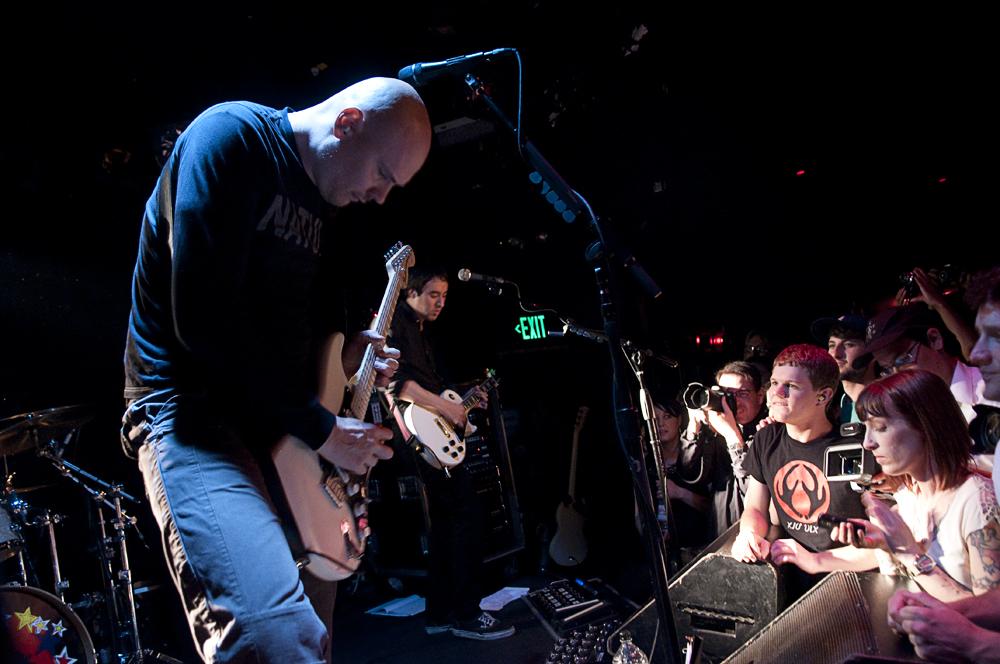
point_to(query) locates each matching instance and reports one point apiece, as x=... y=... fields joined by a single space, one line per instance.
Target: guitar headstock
x=398 y=259
x=491 y=380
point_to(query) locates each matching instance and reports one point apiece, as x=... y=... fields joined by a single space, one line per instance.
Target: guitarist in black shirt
x=456 y=537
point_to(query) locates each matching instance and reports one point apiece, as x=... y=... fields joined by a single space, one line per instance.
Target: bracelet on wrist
x=921 y=565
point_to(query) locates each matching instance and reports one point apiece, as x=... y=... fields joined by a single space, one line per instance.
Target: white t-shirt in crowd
x=971 y=506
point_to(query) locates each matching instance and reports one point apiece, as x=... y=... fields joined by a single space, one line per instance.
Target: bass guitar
x=329 y=505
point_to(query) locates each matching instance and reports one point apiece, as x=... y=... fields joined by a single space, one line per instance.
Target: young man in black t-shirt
x=785 y=464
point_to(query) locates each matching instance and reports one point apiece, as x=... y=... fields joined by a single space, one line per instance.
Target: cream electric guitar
x=329 y=505
x=569 y=547
x=440 y=445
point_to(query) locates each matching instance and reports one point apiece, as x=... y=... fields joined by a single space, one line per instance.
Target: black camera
x=947 y=277
x=850 y=462
x=985 y=429
x=698 y=396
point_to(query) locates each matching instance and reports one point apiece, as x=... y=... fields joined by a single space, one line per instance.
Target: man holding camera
x=786 y=469
x=914 y=337
x=718 y=435
x=928 y=286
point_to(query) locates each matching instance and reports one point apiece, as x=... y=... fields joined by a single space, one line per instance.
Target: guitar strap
x=397 y=413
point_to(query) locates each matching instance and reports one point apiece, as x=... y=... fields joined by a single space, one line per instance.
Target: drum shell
x=40 y=622
x=10 y=535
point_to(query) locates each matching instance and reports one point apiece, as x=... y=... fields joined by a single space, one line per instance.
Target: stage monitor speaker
x=841 y=619
x=715 y=597
x=725 y=602
x=739 y=611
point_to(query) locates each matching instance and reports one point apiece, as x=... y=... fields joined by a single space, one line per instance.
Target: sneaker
x=438 y=627
x=483 y=628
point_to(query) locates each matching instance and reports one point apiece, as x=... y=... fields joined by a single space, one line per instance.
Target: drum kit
x=39 y=624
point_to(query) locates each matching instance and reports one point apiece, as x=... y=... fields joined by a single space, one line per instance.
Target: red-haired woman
x=945 y=528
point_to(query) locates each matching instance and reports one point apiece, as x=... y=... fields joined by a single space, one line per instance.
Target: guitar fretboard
x=366 y=374
x=473 y=399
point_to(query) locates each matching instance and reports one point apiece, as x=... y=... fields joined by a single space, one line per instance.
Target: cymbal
x=25 y=431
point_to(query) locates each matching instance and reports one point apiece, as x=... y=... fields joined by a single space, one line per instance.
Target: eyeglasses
x=902 y=361
x=741 y=394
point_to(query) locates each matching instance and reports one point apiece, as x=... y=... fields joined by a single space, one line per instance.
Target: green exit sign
x=531 y=327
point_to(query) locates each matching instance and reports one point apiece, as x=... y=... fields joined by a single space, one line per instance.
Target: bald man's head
x=364 y=140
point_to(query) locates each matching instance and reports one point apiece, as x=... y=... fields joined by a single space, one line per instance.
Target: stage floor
x=361 y=638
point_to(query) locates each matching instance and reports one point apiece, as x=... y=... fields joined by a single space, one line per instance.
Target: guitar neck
x=581 y=416
x=473 y=399
x=366 y=374
x=571 y=491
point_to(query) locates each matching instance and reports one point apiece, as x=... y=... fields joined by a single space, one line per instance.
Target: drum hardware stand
x=20 y=508
x=125 y=627
x=48 y=521
x=22 y=570
x=60 y=584
x=123 y=579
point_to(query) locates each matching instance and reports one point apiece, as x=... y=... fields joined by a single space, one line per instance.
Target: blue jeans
x=225 y=547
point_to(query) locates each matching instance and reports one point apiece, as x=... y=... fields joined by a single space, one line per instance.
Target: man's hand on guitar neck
x=354 y=351
x=484 y=396
x=356 y=446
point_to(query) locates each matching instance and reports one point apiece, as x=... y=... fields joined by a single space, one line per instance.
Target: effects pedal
x=584 y=645
x=564 y=606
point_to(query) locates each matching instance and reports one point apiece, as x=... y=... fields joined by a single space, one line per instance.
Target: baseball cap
x=821 y=327
x=894 y=323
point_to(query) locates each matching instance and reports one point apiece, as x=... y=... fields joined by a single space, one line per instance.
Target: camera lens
x=695 y=396
x=851 y=466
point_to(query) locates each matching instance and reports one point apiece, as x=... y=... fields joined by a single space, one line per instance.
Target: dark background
x=766 y=167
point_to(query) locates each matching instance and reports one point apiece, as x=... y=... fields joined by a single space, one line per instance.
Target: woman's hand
x=847 y=533
x=890 y=533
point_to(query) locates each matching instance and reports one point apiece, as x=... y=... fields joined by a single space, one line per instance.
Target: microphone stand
x=637 y=358
x=604 y=254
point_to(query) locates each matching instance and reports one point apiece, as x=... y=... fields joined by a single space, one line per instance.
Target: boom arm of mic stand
x=560 y=192
x=545 y=172
x=625 y=422
x=572 y=329
x=567 y=202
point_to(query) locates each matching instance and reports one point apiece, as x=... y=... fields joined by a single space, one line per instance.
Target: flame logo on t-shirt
x=802 y=491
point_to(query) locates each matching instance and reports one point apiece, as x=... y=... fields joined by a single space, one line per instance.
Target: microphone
x=467 y=275
x=649 y=354
x=423 y=72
